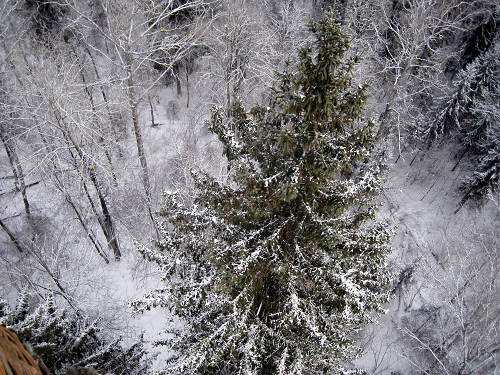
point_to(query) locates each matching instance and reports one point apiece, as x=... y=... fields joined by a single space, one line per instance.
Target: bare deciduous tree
x=138 y=36
x=408 y=46
x=240 y=55
x=454 y=326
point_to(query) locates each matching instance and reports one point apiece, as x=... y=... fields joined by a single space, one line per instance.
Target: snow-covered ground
x=421 y=196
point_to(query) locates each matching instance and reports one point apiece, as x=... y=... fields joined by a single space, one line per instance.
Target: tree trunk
x=17 y=170
x=152 y=111
x=137 y=132
x=384 y=116
x=91 y=235
x=175 y=71
x=228 y=92
x=11 y=160
x=106 y=224
x=187 y=87
x=11 y=236
x=110 y=229
x=138 y=137
x=94 y=110
x=105 y=221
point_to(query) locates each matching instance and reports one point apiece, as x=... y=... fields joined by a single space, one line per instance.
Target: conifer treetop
x=273 y=272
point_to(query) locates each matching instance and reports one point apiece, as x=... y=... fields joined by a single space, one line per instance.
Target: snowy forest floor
x=430 y=252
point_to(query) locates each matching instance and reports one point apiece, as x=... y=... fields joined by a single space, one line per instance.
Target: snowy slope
x=431 y=251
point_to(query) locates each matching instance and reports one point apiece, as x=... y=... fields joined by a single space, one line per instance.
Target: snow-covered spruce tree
x=479 y=88
x=474 y=111
x=273 y=272
x=63 y=338
x=481 y=128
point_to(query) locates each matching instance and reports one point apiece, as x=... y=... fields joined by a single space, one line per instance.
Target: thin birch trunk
x=138 y=136
x=94 y=110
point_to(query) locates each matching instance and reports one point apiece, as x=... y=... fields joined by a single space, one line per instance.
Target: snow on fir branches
x=65 y=338
x=272 y=273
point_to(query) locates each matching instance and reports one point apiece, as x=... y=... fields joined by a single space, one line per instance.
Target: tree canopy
x=274 y=271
